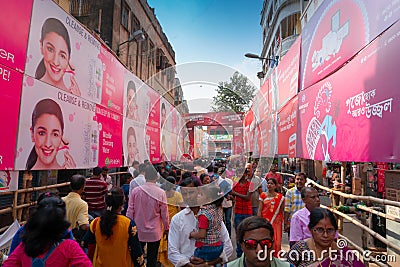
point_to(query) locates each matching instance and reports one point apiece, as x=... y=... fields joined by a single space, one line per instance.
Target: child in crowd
x=208 y=238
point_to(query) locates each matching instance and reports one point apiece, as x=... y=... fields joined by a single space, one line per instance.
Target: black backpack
x=37 y=262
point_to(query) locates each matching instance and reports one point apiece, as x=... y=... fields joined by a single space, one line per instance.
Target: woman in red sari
x=271 y=208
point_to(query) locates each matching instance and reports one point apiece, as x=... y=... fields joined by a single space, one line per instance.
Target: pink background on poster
x=248 y=131
x=382 y=166
x=113 y=81
x=358 y=138
x=288 y=74
x=287 y=127
x=11 y=85
x=110 y=139
x=153 y=126
x=14 y=21
x=365 y=20
x=237 y=139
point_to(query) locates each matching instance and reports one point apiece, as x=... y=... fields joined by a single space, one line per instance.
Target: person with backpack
x=42 y=241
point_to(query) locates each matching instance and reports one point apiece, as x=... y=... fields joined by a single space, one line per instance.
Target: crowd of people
x=162 y=215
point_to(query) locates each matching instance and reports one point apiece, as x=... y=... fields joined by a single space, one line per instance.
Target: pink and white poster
x=14 y=23
x=136 y=99
x=62 y=53
x=57 y=130
x=110 y=137
x=287 y=127
x=135 y=142
x=338 y=30
x=350 y=115
x=11 y=85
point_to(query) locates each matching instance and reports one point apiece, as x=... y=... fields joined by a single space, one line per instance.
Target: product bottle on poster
x=147 y=143
x=94 y=143
x=96 y=79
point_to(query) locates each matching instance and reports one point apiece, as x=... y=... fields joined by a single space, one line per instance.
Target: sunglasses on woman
x=252 y=243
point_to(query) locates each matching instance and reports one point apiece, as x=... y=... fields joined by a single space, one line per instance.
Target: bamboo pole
x=380 y=214
x=373 y=259
x=372 y=233
x=15 y=203
x=365 y=198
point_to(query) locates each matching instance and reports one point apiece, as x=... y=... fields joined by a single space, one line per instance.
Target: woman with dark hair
x=17 y=239
x=133 y=151
x=131 y=105
x=271 y=208
x=43 y=239
x=117 y=243
x=321 y=249
x=47 y=131
x=55 y=47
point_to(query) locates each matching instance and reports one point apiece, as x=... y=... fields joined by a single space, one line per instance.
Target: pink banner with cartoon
x=338 y=30
x=14 y=23
x=11 y=85
x=62 y=53
x=350 y=115
x=288 y=74
x=57 y=130
x=287 y=127
x=110 y=139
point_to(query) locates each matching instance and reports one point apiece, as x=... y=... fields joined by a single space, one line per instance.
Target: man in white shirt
x=180 y=247
x=134 y=167
x=139 y=180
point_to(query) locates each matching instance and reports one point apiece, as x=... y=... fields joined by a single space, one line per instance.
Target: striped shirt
x=95 y=191
x=293 y=201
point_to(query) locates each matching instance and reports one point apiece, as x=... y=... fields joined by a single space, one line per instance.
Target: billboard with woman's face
x=58 y=130
x=62 y=53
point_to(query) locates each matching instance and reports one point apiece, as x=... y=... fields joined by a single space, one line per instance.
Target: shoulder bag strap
x=277 y=210
x=51 y=250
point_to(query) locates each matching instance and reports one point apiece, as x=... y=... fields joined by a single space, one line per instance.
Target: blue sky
x=212 y=31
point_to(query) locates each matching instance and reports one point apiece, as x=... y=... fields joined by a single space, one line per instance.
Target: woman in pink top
x=42 y=239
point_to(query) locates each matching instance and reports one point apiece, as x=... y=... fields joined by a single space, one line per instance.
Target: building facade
x=150 y=57
x=280 y=23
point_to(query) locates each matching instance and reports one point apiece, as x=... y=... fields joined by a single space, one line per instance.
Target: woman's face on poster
x=47 y=136
x=132 y=147
x=131 y=102
x=55 y=56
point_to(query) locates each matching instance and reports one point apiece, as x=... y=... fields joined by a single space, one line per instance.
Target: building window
x=80 y=8
x=125 y=15
x=135 y=24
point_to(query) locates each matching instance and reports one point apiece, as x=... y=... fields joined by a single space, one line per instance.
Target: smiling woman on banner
x=132 y=149
x=55 y=46
x=47 y=131
x=321 y=249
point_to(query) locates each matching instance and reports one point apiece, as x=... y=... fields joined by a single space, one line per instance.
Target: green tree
x=235 y=95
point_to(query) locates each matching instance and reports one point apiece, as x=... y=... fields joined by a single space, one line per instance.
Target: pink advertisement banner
x=113 y=81
x=287 y=127
x=10 y=84
x=57 y=130
x=350 y=115
x=110 y=139
x=14 y=21
x=338 y=30
x=62 y=53
x=288 y=74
